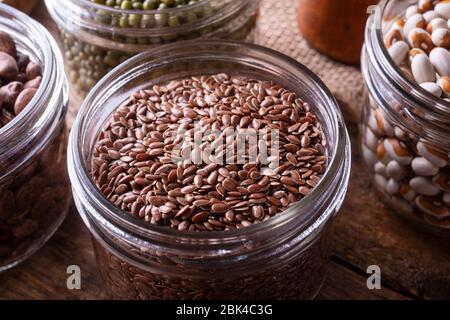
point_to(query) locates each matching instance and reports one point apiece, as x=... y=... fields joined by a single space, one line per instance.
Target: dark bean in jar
x=33 y=202
x=20 y=79
x=34 y=197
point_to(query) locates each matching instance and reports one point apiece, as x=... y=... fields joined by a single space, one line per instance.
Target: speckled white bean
x=430 y=16
x=380 y=181
x=379 y=125
x=440 y=60
x=369 y=156
x=380 y=168
x=415 y=21
x=420 y=38
x=423 y=167
x=371 y=139
x=407 y=192
x=398 y=25
x=432 y=155
x=396 y=171
x=399 y=133
x=392 y=187
x=422 y=69
x=411 y=10
x=437 y=23
x=414 y=52
x=373 y=125
x=382 y=154
x=424 y=186
x=443 y=9
x=424 y=5
x=432 y=206
x=441 y=38
x=388 y=128
x=444 y=84
x=398 y=52
x=432 y=88
x=442 y=181
x=398 y=151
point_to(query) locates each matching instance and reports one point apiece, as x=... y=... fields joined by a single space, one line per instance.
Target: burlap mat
x=277 y=29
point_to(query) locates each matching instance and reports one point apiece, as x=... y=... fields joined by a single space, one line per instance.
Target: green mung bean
x=88 y=63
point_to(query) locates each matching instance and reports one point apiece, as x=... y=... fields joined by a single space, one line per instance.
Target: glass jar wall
x=34 y=187
x=405 y=136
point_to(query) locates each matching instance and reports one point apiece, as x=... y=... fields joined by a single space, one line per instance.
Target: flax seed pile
x=133 y=162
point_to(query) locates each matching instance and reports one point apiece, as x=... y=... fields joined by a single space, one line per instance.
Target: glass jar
x=97 y=38
x=283 y=257
x=34 y=187
x=405 y=132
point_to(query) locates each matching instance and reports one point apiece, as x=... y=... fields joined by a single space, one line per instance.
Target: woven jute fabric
x=277 y=28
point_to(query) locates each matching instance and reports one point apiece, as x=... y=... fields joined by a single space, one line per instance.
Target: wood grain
x=345 y=284
x=414 y=264
x=44 y=275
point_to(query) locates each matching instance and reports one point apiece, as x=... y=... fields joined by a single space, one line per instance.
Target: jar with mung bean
x=210 y=169
x=100 y=34
x=34 y=188
x=405 y=136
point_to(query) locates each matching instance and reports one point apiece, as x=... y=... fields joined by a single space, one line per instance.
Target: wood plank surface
x=413 y=264
x=44 y=275
x=412 y=261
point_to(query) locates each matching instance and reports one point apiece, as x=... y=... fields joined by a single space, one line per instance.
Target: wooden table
x=413 y=264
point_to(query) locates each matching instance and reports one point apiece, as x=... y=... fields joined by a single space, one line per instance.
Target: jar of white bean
x=405 y=132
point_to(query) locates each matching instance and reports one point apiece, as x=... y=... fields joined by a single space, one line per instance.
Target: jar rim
x=339 y=158
x=41 y=110
x=181 y=9
x=85 y=7
x=379 y=54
